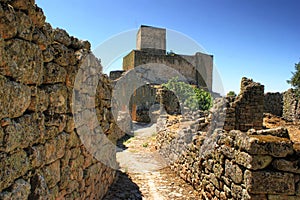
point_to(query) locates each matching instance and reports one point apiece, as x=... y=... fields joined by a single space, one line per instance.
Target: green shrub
x=191 y=97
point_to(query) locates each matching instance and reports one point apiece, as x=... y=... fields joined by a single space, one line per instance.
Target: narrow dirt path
x=144 y=174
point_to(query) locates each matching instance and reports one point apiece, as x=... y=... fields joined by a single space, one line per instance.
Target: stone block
x=281 y=197
x=56 y=120
x=278 y=132
x=24 y=131
x=213 y=179
x=13 y=167
x=65 y=177
x=75 y=153
x=51 y=173
x=286 y=165
x=8 y=23
x=88 y=158
x=48 y=54
x=73 y=140
x=70 y=124
x=15 y=98
x=25 y=26
x=92 y=172
x=54 y=73
x=51 y=132
x=72 y=186
x=264 y=145
x=37 y=16
x=236 y=191
x=22 y=5
x=253 y=162
x=227 y=151
x=62 y=36
x=55 y=148
x=218 y=170
x=39 y=100
x=37 y=157
x=268 y=182
x=20 y=190
x=233 y=171
x=76 y=168
x=227 y=191
x=259 y=197
x=22 y=61
x=54 y=192
x=63 y=56
x=57 y=98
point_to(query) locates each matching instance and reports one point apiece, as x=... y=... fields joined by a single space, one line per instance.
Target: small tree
x=295 y=79
x=193 y=98
x=231 y=94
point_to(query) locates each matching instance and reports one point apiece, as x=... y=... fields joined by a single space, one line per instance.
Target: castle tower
x=151 y=40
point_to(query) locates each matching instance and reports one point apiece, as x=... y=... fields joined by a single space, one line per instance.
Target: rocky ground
x=144 y=174
x=272 y=121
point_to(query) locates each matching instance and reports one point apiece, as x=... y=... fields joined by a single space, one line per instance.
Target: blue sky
x=259 y=39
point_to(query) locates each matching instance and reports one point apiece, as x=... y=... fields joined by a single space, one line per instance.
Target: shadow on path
x=130 y=190
x=121 y=141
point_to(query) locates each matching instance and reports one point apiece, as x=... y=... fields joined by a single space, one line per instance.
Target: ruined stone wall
x=254 y=164
x=232 y=165
x=114 y=75
x=291 y=106
x=42 y=156
x=169 y=101
x=141 y=101
x=246 y=110
x=273 y=103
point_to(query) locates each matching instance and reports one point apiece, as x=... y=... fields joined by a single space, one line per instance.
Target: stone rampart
x=42 y=156
x=291 y=106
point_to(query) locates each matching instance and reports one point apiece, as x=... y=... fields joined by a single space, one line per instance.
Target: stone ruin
x=220 y=162
x=151 y=58
x=285 y=105
x=42 y=155
x=246 y=110
x=291 y=106
x=273 y=103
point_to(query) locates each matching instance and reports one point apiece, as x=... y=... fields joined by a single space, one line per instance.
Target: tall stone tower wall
x=203 y=63
x=151 y=39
